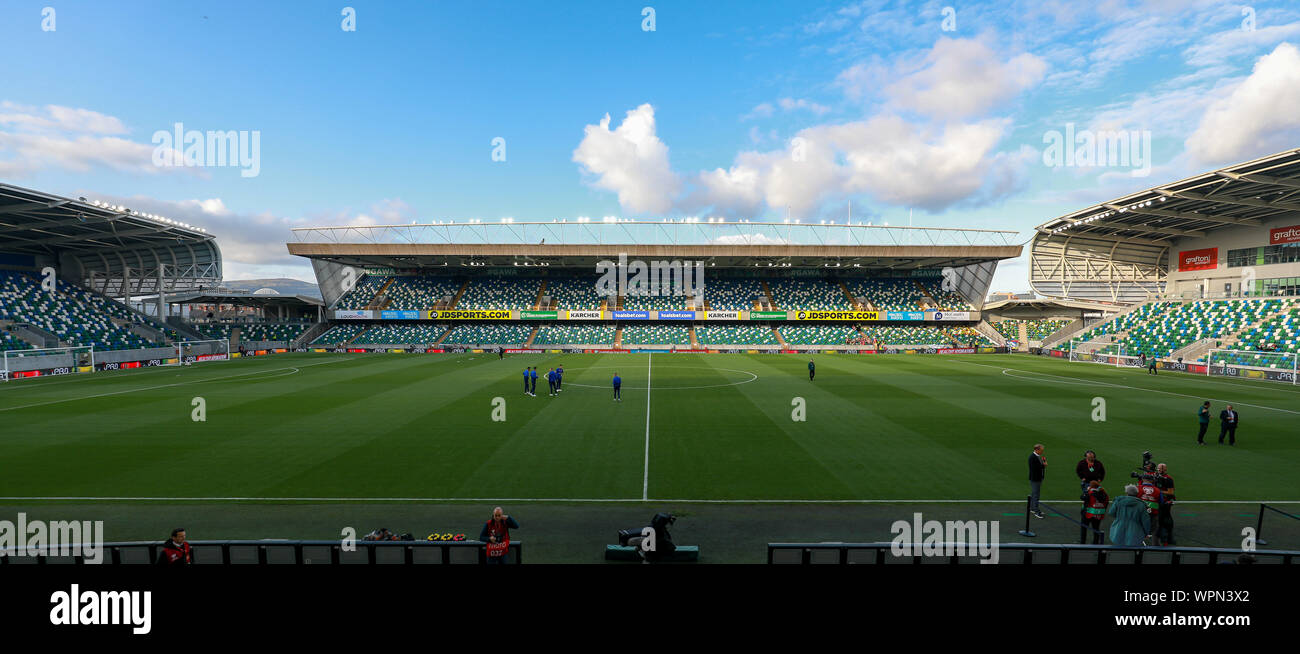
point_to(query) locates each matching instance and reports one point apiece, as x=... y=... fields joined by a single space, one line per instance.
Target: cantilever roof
x=1245 y=194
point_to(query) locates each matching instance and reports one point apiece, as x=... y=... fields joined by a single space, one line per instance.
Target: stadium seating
x=906 y=335
x=576 y=293
x=1124 y=322
x=656 y=335
x=490 y=333
x=1181 y=323
x=340 y=333
x=10 y=342
x=817 y=334
x=808 y=294
x=1278 y=334
x=654 y=302
x=949 y=300
x=575 y=333
x=500 y=293
x=888 y=294
x=407 y=292
x=732 y=294
x=964 y=336
x=401 y=334
x=254 y=331
x=361 y=294
x=741 y=334
x=74 y=315
x=1037 y=329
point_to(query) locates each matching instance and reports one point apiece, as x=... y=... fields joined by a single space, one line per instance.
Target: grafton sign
x=1206 y=259
x=1284 y=234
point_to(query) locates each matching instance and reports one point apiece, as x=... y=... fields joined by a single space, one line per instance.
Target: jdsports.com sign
x=470 y=315
x=837 y=315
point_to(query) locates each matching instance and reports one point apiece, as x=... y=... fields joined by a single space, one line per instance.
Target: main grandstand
x=766 y=286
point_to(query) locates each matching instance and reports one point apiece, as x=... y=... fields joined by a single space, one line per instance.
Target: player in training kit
x=532 y=382
x=526 y=371
x=618 y=388
x=559 y=379
x=812 y=370
x=550 y=381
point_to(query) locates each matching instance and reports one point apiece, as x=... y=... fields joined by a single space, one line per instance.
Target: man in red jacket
x=176 y=551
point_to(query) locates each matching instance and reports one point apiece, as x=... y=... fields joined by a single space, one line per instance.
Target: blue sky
x=746 y=109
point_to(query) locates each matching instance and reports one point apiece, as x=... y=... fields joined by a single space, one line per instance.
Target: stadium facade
x=1230 y=232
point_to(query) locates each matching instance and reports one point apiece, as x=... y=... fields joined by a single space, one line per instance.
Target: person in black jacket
x=1203 y=420
x=1037 y=470
x=1089 y=469
x=1228 y=420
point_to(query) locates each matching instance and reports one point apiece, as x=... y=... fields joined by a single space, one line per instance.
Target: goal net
x=45 y=361
x=188 y=352
x=1275 y=366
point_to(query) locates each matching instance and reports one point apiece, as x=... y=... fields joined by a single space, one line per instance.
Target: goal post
x=1275 y=366
x=188 y=352
x=45 y=361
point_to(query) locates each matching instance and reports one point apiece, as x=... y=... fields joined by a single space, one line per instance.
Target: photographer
x=496 y=535
x=1165 y=528
x=1095 y=501
x=1149 y=494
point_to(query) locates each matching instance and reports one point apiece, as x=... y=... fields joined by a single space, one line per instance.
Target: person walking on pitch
x=618 y=388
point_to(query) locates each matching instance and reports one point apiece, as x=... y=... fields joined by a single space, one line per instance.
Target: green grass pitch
x=718 y=427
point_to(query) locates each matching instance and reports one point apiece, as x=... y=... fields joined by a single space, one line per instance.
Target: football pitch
x=693 y=433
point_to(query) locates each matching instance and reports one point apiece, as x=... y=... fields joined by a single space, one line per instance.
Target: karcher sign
x=837 y=315
x=585 y=315
x=473 y=314
x=722 y=315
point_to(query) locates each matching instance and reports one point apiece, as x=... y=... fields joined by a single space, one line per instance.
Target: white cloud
x=1259 y=116
x=960 y=78
x=33 y=139
x=253 y=244
x=631 y=161
x=792 y=104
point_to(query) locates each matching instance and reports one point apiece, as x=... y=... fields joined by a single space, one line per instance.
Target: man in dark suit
x=1228 y=420
x=1037 y=470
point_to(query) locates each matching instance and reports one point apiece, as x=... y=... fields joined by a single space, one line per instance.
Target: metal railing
x=881 y=553
x=282 y=552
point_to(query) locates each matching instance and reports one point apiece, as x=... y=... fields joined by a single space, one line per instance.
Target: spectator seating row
x=340 y=333
x=656 y=335
x=1279 y=333
x=490 y=333
x=1183 y=323
x=401 y=334
x=575 y=333
x=500 y=293
x=362 y=293
x=10 y=342
x=74 y=315
x=817 y=334
x=407 y=292
x=741 y=334
x=888 y=294
x=732 y=294
x=573 y=293
x=808 y=294
x=254 y=331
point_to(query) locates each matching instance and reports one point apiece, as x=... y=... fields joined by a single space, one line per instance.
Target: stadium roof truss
x=112 y=249
x=1118 y=250
x=654 y=232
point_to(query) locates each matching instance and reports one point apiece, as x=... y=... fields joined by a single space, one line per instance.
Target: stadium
x=783 y=384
